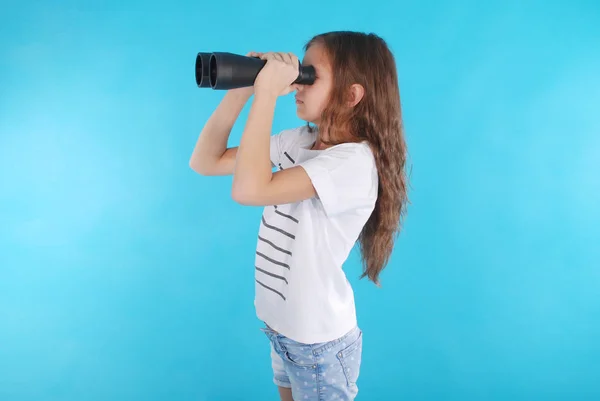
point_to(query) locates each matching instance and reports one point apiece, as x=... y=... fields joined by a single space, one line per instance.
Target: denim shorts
x=317 y=372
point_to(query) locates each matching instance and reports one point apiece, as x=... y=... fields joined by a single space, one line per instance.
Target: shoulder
x=355 y=153
x=351 y=162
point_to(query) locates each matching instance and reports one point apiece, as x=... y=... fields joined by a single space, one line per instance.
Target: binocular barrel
x=219 y=70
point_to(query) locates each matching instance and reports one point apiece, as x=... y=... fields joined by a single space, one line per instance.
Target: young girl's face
x=312 y=99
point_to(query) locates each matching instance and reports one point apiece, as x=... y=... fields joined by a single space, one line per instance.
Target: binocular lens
x=202 y=70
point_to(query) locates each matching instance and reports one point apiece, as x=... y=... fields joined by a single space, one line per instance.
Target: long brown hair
x=365 y=59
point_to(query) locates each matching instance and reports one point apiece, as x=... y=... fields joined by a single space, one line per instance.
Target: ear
x=357 y=92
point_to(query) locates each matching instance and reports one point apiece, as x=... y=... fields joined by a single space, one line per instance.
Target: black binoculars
x=229 y=71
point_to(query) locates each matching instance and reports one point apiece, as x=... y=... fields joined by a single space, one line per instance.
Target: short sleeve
x=344 y=177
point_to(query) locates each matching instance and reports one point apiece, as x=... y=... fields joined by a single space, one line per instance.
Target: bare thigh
x=285 y=394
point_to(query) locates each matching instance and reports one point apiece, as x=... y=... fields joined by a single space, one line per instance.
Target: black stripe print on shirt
x=292 y=236
x=295 y=220
x=271 y=274
x=289 y=157
x=269 y=288
x=273 y=260
x=274 y=246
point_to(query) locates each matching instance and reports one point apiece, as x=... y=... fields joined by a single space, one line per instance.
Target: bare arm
x=211 y=155
x=253 y=181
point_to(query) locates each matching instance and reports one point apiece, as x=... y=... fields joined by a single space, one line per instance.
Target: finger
x=292 y=88
x=284 y=57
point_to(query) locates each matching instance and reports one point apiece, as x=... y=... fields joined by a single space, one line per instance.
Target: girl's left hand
x=277 y=76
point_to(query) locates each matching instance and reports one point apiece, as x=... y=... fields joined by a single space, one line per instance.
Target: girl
x=338 y=181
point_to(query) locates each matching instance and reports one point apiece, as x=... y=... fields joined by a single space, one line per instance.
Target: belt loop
x=278 y=345
x=273 y=337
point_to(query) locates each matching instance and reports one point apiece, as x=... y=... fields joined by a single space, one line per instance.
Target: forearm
x=212 y=141
x=253 y=163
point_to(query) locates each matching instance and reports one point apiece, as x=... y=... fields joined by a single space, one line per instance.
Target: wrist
x=265 y=97
x=240 y=94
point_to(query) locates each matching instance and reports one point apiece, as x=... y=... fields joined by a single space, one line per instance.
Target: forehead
x=317 y=57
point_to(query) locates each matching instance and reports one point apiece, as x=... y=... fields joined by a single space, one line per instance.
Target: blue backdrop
x=125 y=276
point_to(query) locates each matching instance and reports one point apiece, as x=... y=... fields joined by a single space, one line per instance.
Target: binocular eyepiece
x=229 y=71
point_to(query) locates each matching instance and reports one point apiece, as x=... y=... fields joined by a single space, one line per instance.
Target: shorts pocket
x=299 y=356
x=350 y=359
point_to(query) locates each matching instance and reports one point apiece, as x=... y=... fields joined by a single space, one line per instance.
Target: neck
x=318 y=145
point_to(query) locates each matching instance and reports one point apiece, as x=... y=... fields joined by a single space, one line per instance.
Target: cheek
x=317 y=96
x=320 y=100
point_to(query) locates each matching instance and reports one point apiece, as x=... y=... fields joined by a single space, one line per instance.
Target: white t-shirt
x=301 y=290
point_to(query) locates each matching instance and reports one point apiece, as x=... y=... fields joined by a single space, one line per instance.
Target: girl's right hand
x=248 y=90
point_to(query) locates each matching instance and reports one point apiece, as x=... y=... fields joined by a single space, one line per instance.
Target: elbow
x=239 y=196
x=243 y=196
x=198 y=168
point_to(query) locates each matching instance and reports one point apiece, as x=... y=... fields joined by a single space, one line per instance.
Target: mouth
x=299 y=101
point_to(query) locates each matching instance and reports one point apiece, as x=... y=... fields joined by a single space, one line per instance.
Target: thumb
x=291 y=88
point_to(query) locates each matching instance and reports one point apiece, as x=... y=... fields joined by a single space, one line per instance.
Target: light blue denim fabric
x=317 y=372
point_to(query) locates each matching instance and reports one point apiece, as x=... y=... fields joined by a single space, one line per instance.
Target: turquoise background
x=125 y=276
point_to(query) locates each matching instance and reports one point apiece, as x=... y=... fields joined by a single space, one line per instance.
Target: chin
x=303 y=116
